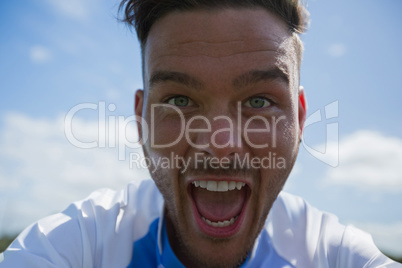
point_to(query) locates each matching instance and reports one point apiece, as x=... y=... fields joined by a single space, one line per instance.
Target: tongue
x=219 y=206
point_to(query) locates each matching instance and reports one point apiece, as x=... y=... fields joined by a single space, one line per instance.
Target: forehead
x=218 y=36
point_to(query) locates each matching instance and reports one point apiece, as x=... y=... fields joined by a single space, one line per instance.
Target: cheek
x=270 y=134
x=164 y=132
x=286 y=133
x=278 y=156
x=166 y=177
x=164 y=143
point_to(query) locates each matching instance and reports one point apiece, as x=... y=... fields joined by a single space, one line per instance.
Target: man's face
x=228 y=82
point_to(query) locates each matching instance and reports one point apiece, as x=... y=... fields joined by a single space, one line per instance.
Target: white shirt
x=102 y=231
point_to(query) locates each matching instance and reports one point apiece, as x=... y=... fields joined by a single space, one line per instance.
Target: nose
x=221 y=137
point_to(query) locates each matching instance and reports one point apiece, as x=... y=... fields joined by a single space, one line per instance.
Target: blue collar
x=154 y=250
x=168 y=258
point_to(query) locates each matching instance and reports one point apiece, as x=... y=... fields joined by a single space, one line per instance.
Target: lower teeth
x=220 y=223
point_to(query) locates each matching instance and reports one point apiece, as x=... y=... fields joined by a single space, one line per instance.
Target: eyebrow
x=246 y=79
x=255 y=76
x=181 y=78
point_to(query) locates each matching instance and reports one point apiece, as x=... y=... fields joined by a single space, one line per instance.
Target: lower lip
x=219 y=232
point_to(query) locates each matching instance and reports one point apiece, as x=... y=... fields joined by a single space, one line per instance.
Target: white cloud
x=40 y=54
x=387 y=237
x=75 y=9
x=41 y=172
x=337 y=50
x=370 y=160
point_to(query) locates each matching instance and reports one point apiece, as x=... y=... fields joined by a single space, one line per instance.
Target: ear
x=302 y=110
x=139 y=98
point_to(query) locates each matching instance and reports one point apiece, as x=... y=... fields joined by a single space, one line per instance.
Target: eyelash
x=168 y=99
x=269 y=101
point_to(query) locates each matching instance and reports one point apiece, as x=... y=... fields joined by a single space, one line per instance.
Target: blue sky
x=55 y=55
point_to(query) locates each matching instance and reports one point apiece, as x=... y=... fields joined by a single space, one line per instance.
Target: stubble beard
x=181 y=237
x=183 y=240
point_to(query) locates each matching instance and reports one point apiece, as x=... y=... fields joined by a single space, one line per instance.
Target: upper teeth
x=219 y=186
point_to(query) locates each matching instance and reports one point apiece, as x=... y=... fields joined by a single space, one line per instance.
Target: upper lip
x=218 y=178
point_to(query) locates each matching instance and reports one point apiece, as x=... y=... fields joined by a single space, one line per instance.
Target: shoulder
x=138 y=204
x=308 y=237
x=298 y=231
x=139 y=199
x=95 y=232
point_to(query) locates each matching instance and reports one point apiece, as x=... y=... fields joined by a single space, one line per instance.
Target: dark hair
x=142 y=14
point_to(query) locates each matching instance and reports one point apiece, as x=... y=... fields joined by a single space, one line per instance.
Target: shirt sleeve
x=358 y=250
x=56 y=241
x=95 y=232
x=308 y=237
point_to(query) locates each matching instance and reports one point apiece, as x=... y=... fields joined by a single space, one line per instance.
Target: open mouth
x=219 y=206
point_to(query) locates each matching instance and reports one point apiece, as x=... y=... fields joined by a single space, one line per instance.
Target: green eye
x=180 y=101
x=257 y=102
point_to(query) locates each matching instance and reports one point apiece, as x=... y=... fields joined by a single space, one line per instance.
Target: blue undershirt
x=146 y=251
